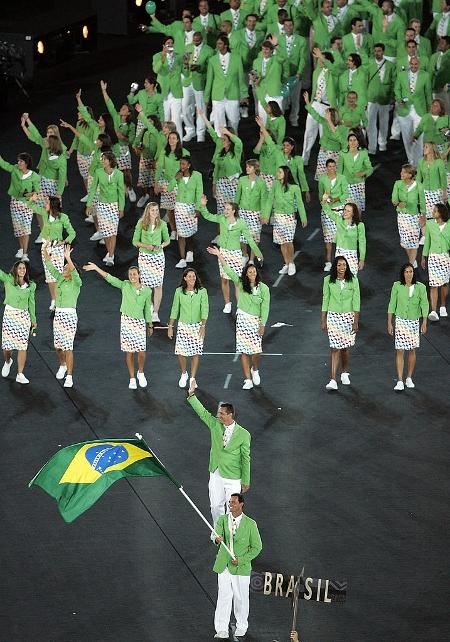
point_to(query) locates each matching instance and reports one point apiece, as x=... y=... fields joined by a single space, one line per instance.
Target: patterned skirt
x=139 y=126
x=185 y=219
x=409 y=230
x=21 y=217
x=357 y=194
x=15 y=329
x=132 y=334
x=329 y=227
x=407 y=335
x=56 y=257
x=124 y=159
x=253 y=220
x=146 y=176
x=108 y=219
x=48 y=186
x=284 y=228
x=248 y=340
x=322 y=158
x=188 y=342
x=95 y=201
x=226 y=188
x=339 y=325
x=167 y=199
x=233 y=259
x=269 y=180
x=151 y=268
x=352 y=258
x=438 y=270
x=64 y=328
x=84 y=162
x=432 y=196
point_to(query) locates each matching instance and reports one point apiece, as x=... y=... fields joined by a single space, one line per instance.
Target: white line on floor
x=236 y=357
x=227 y=381
x=311 y=236
x=277 y=282
x=265 y=354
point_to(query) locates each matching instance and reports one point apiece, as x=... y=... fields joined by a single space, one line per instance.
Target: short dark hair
x=356 y=59
x=443 y=211
x=329 y=161
x=228 y=407
x=355 y=20
x=381 y=45
x=328 y=56
x=240 y=497
x=26 y=158
x=402 y=273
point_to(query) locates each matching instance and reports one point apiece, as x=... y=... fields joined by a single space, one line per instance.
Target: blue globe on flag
x=150 y=7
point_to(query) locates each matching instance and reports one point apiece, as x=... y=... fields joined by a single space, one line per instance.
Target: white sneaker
x=248 y=383
x=61 y=372
x=142 y=380
x=68 y=383
x=96 y=236
x=109 y=260
x=382 y=148
x=283 y=270
x=221 y=635
x=102 y=242
x=332 y=385
x=255 y=376
x=173 y=236
x=239 y=633
x=19 y=253
x=291 y=269
x=143 y=200
x=443 y=311
x=189 y=257
x=422 y=240
x=327 y=266
x=227 y=308
x=132 y=195
x=188 y=136
x=409 y=383
x=132 y=385
x=89 y=219
x=52 y=305
x=7 y=368
x=39 y=240
x=200 y=139
x=345 y=378
x=183 y=379
x=181 y=263
x=155 y=317
x=25 y=258
x=84 y=199
x=399 y=385
x=21 y=378
x=433 y=316
x=192 y=383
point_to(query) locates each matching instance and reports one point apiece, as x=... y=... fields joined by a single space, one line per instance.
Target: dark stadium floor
x=352 y=485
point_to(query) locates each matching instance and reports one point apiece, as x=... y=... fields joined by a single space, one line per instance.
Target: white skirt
x=409 y=230
x=340 y=333
x=284 y=228
x=407 y=335
x=167 y=199
x=15 y=329
x=432 y=196
x=248 y=340
x=322 y=158
x=83 y=162
x=438 y=270
x=329 y=227
x=226 y=188
x=146 y=178
x=64 y=328
x=108 y=219
x=124 y=159
x=151 y=268
x=185 y=220
x=188 y=342
x=133 y=336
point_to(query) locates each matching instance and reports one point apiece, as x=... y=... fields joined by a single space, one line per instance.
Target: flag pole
x=295 y=600
x=186 y=496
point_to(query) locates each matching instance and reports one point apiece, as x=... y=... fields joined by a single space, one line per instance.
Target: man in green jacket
x=325 y=25
x=357 y=41
x=234 y=14
x=168 y=65
x=387 y=26
x=207 y=23
x=229 y=458
x=180 y=30
x=380 y=92
x=270 y=72
x=195 y=64
x=439 y=69
x=294 y=49
x=240 y=533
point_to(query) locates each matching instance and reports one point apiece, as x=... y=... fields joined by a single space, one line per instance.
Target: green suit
x=421 y=98
x=239 y=44
x=440 y=76
x=365 y=50
x=197 y=77
x=275 y=74
x=209 y=37
x=169 y=79
x=296 y=59
x=230 y=86
x=175 y=30
x=227 y=15
x=329 y=83
x=322 y=35
x=378 y=91
x=246 y=546
x=394 y=35
x=357 y=81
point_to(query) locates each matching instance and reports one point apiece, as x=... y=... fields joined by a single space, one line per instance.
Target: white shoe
x=21 y=378
x=221 y=635
x=399 y=385
x=332 y=385
x=109 y=260
x=181 y=263
x=345 y=378
x=25 y=258
x=183 y=379
x=396 y=137
x=382 y=148
x=189 y=257
x=283 y=270
x=422 y=240
x=102 y=242
x=52 y=305
x=188 y=136
x=248 y=383
x=39 y=240
x=141 y=379
x=239 y=633
x=443 y=311
x=227 y=308
x=68 y=383
x=132 y=195
x=200 y=139
x=192 y=383
x=89 y=219
x=409 y=383
x=255 y=376
x=96 y=236
x=132 y=385
x=173 y=236
x=7 y=368
x=155 y=317
x=19 y=253
x=433 y=316
x=327 y=266
x=61 y=372
x=291 y=269
x=143 y=200
x=84 y=199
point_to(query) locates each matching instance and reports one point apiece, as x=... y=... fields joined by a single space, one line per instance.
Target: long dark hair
x=333 y=272
x=288 y=178
x=291 y=141
x=55 y=206
x=230 y=150
x=109 y=128
x=356 y=214
x=188 y=160
x=246 y=281
x=178 y=152
x=402 y=273
x=13 y=272
x=198 y=284
x=105 y=142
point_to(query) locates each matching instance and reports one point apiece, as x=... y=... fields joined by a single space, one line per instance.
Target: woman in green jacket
x=336 y=186
x=149 y=142
x=409 y=304
x=253 y=306
x=19 y=317
x=340 y=317
x=409 y=201
x=431 y=172
x=431 y=125
x=189 y=189
x=295 y=163
x=268 y=154
x=24 y=184
x=135 y=318
x=148 y=100
x=350 y=234
x=65 y=320
x=82 y=149
x=251 y=195
x=355 y=165
x=167 y=166
x=436 y=250
x=151 y=236
x=232 y=229
x=191 y=308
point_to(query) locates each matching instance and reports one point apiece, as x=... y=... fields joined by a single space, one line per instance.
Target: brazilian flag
x=78 y=475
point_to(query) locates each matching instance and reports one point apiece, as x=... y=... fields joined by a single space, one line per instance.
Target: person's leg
x=183 y=363
x=187 y=107
x=112 y=245
x=240 y=586
x=157 y=296
x=224 y=602
x=171 y=217
x=328 y=252
x=372 y=134
x=232 y=113
x=295 y=102
x=195 y=361
x=21 y=358
x=52 y=290
x=411 y=254
x=129 y=358
x=335 y=359
x=345 y=354
x=406 y=128
x=262 y=113
x=166 y=107
x=219 y=115
x=182 y=246
x=7 y=355
x=383 y=116
x=69 y=361
x=285 y=252
x=444 y=294
x=411 y=363
x=141 y=360
x=61 y=356
x=24 y=242
x=225 y=284
x=200 y=105
x=216 y=496
x=433 y=298
x=290 y=252
x=245 y=361
x=399 y=362
x=255 y=361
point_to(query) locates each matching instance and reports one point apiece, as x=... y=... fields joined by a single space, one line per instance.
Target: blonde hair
x=145 y=219
x=434 y=150
x=410 y=169
x=170 y=125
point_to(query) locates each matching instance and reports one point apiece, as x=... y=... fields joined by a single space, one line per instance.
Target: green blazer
x=276 y=74
x=227 y=15
x=329 y=84
x=413 y=198
x=436 y=241
x=233 y=462
x=169 y=79
x=421 y=98
x=378 y=91
x=246 y=546
x=175 y=30
x=439 y=76
x=322 y=36
x=406 y=307
x=296 y=60
x=432 y=29
x=239 y=44
x=209 y=37
x=402 y=63
x=198 y=77
x=394 y=35
x=358 y=83
x=232 y=86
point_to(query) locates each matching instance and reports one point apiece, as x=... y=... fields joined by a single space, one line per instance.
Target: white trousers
x=220 y=491
x=172 y=111
x=192 y=99
x=293 y=100
x=232 y=592
x=378 y=124
x=414 y=151
x=312 y=128
x=226 y=110
x=262 y=112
